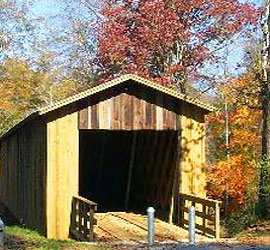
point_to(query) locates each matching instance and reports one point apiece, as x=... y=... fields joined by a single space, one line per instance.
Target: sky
x=51 y=9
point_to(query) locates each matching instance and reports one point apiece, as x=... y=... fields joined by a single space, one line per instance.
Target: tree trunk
x=265 y=121
x=264 y=194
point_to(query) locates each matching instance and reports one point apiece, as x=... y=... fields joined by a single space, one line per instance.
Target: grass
x=260 y=229
x=21 y=238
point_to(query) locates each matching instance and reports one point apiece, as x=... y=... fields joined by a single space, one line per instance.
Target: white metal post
x=191 y=225
x=151 y=226
x=2 y=226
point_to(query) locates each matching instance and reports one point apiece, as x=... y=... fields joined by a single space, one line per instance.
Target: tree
x=78 y=40
x=264 y=193
x=15 y=26
x=23 y=90
x=166 y=40
x=30 y=74
x=239 y=179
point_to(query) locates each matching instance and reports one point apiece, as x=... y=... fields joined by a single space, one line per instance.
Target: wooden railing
x=82 y=219
x=207 y=213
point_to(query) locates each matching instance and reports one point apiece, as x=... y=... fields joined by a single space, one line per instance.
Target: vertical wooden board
x=23 y=199
x=83 y=118
x=192 y=162
x=165 y=119
x=184 y=166
x=122 y=111
x=120 y=115
x=5 y=170
x=101 y=117
x=154 y=116
x=196 y=154
x=13 y=175
x=169 y=120
x=51 y=206
x=62 y=174
x=94 y=117
x=175 y=121
x=132 y=112
x=30 y=178
x=104 y=114
x=137 y=119
x=200 y=175
x=148 y=115
x=89 y=117
x=159 y=118
x=19 y=176
x=37 y=192
x=116 y=113
x=110 y=113
x=2 y=166
x=143 y=115
x=128 y=112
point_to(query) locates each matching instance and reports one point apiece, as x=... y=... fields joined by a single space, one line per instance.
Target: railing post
x=181 y=214
x=191 y=225
x=217 y=220
x=204 y=219
x=91 y=224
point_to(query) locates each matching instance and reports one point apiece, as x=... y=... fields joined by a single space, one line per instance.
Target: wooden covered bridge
x=124 y=145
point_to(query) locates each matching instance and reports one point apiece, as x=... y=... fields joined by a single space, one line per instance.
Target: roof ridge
x=118 y=80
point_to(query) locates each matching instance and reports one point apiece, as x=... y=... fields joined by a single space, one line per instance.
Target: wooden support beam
x=177 y=175
x=131 y=164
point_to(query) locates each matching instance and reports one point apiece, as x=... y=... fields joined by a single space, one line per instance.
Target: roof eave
x=20 y=124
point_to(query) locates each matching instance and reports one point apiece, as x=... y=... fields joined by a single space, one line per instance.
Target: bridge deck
x=130 y=227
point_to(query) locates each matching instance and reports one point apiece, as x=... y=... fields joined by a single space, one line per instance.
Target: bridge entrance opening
x=128 y=170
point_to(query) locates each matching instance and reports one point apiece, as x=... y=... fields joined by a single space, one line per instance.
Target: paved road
x=184 y=246
x=215 y=247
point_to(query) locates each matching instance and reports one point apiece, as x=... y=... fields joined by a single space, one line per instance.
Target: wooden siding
x=39 y=159
x=192 y=163
x=62 y=174
x=190 y=176
x=23 y=180
x=126 y=112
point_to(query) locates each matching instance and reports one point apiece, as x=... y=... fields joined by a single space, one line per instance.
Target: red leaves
x=176 y=68
x=157 y=35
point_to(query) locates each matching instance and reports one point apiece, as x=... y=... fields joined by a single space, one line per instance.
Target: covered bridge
x=125 y=144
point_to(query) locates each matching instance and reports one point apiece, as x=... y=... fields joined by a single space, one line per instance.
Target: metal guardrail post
x=151 y=226
x=2 y=226
x=192 y=225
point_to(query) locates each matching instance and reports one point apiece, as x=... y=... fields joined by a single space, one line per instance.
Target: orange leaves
x=233 y=178
x=23 y=90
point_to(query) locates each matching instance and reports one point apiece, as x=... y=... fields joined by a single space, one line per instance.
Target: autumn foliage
x=236 y=179
x=166 y=40
x=23 y=90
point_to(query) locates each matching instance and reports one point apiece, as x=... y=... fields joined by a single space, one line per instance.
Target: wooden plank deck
x=130 y=227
